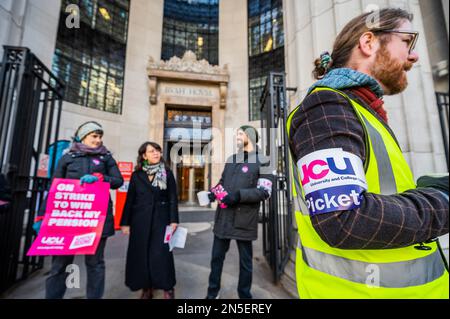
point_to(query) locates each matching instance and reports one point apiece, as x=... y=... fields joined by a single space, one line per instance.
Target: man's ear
x=368 y=44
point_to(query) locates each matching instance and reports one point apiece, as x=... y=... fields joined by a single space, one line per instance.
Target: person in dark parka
x=150 y=207
x=246 y=185
x=89 y=161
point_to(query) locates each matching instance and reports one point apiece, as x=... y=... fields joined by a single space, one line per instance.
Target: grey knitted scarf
x=159 y=170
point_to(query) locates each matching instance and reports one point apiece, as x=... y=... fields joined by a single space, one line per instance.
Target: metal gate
x=277 y=211
x=443 y=108
x=30 y=110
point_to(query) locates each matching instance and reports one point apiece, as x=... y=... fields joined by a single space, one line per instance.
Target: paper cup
x=203 y=198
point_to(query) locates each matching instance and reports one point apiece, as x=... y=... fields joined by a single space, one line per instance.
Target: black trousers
x=219 y=250
x=55 y=285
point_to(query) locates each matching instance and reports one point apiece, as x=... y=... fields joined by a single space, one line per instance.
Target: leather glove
x=88 y=179
x=231 y=198
x=37 y=226
x=212 y=197
x=439 y=182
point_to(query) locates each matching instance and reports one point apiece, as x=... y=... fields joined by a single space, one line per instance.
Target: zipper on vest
x=422 y=246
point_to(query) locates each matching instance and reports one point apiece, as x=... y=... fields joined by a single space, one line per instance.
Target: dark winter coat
x=76 y=165
x=148 y=211
x=240 y=221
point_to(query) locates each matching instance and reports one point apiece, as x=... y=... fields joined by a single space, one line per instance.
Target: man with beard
x=366 y=229
x=239 y=193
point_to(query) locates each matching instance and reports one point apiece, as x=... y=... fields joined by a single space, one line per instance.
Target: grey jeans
x=55 y=285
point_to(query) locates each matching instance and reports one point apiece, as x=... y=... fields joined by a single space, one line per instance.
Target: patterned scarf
x=345 y=78
x=159 y=170
x=81 y=148
x=361 y=84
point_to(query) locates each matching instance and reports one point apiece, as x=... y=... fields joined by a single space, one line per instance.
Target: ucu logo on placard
x=53 y=240
x=319 y=169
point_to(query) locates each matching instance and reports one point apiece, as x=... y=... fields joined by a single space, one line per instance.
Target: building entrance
x=190 y=180
x=187 y=137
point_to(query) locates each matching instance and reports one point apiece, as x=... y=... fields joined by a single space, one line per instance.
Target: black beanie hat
x=251 y=133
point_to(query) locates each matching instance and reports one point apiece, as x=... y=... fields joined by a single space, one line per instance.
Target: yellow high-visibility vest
x=332 y=273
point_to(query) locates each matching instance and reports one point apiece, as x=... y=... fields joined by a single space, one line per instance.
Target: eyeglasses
x=411 y=42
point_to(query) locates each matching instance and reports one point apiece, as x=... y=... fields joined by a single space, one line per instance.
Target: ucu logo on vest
x=332 y=180
x=319 y=169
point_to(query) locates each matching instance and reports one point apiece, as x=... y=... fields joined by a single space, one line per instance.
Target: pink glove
x=220 y=193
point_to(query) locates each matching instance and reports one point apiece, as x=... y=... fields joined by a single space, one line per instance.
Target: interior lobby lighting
x=268 y=45
x=104 y=13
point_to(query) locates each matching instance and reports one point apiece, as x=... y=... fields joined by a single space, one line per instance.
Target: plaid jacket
x=327 y=120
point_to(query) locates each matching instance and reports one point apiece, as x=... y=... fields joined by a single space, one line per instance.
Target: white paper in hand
x=178 y=238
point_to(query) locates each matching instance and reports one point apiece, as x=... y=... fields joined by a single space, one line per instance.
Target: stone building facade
x=309 y=29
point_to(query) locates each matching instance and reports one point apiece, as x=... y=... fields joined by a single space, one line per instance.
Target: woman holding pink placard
x=89 y=161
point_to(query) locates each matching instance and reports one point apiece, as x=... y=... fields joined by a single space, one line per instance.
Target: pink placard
x=74 y=218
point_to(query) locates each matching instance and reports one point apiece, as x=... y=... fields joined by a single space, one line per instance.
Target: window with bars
x=266 y=47
x=191 y=25
x=91 y=59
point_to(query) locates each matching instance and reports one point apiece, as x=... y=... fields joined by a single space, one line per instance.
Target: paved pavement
x=191 y=263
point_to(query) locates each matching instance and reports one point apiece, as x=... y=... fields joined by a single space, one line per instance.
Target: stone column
x=436 y=37
x=233 y=50
x=32 y=24
x=144 y=40
x=12 y=14
x=205 y=178
x=191 y=195
x=445 y=7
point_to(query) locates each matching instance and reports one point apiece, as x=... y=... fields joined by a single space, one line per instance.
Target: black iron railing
x=443 y=108
x=30 y=111
x=277 y=211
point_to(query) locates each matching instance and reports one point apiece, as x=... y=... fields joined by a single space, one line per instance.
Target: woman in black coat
x=89 y=161
x=151 y=206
